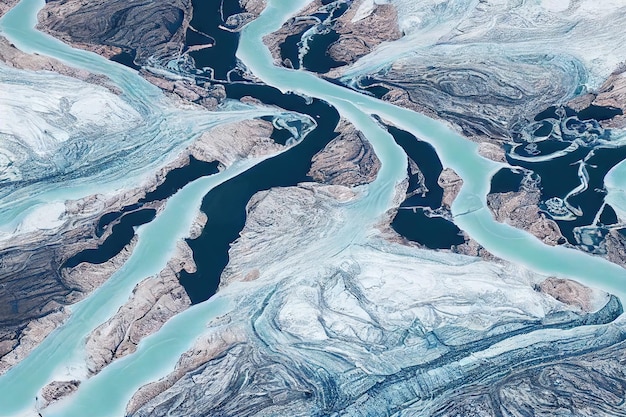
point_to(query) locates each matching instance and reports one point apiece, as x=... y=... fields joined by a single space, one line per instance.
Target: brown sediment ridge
x=95 y=26
x=612 y=93
x=356 y=39
x=14 y=58
x=574 y=294
x=35 y=259
x=153 y=301
x=6 y=5
x=520 y=209
x=348 y=160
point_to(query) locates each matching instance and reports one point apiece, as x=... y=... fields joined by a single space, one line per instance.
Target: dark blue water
x=372 y=86
x=121 y=235
x=132 y=215
x=174 y=181
x=426 y=158
x=544 y=130
x=506 y=180
x=432 y=232
x=225 y=205
x=208 y=16
x=414 y=224
x=608 y=216
x=179 y=177
x=126 y=58
x=599 y=113
x=317 y=58
x=544 y=147
x=551 y=113
x=559 y=176
x=592 y=112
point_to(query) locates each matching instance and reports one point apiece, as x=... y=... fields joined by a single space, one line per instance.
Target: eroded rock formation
x=347 y=160
x=374 y=329
x=520 y=209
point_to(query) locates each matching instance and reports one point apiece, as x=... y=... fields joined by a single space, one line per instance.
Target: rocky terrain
x=520 y=209
x=359 y=29
x=153 y=302
x=347 y=160
x=116 y=29
x=333 y=305
x=109 y=28
x=6 y=5
x=360 y=332
x=36 y=286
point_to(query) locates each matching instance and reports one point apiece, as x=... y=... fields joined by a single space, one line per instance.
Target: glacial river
x=107 y=393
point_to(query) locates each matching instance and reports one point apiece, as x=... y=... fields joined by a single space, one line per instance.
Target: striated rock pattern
x=614 y=245
x=56 y=390
x=14 y=58
x=109 y=28
x=375 y=329
x=347 y=160
x=520 y=209
x=586 y=385
x=359 y=27
x=485 y=66
x=154 y=301
x=34 y=288
x=451 y=184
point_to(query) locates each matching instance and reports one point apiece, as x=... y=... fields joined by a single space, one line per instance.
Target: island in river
x=351 y=207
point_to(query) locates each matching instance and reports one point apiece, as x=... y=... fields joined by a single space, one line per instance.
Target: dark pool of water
x=592 y=112
x=506 y=180
x=179 y=177
x=544 y=147
x=126 y=58
x=281 y=136
x=290 y=49
x=608 y=216
x=121 y=235
x=551 y=113
x=130 y=216
x=317 y=58
x=414 y=224
x=544 y=130
x=225 y=205
x=426 y=158
x=371 y=85
x=559 y=176
x=432 y=232
x=599 y=113
x=208 y=15
x=174 y=181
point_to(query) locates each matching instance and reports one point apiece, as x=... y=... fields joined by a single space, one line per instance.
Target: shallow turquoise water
x=107 y=393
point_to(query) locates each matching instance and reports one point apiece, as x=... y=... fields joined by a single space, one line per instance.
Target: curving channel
x=107 y=393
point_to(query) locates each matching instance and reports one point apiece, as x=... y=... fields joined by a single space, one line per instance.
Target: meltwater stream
x=107 y=393
x=99 y=156
x=469 y=209
x=165 y=130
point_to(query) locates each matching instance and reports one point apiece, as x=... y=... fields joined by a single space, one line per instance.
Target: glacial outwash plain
x=234 y=208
